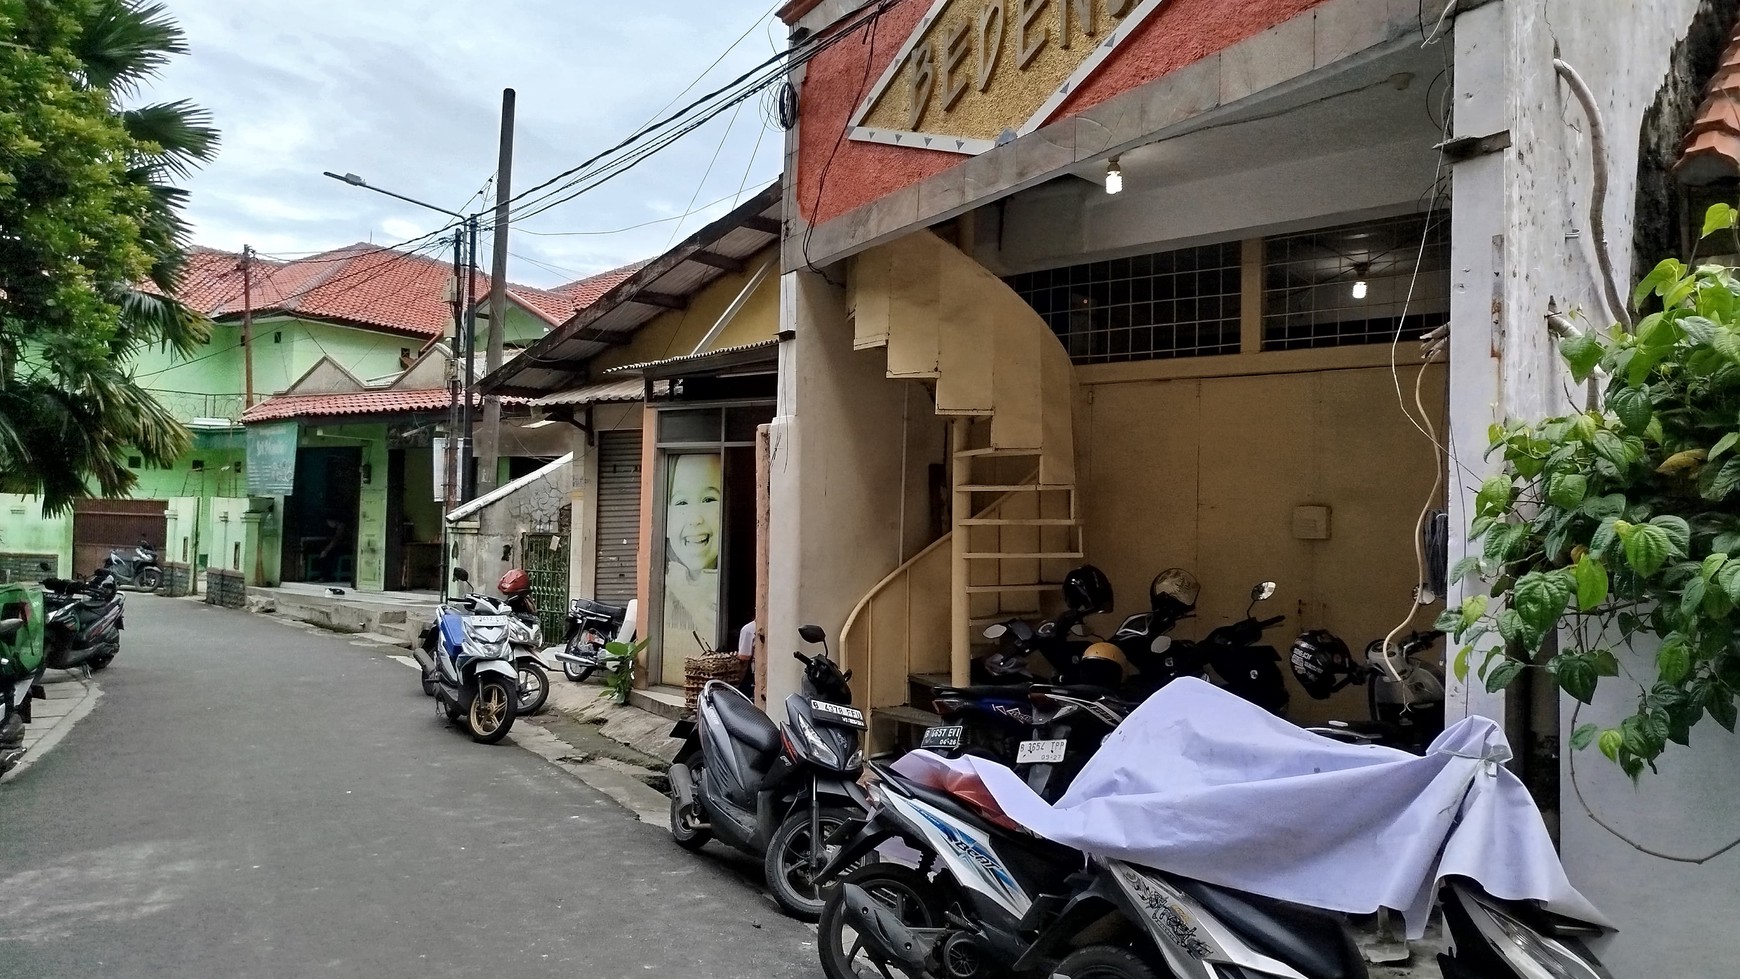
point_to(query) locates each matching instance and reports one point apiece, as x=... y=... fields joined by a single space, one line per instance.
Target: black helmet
x=1321 y=663
x=1087 y=590
x=1172 y=593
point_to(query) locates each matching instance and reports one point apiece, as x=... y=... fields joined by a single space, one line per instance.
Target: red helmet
x=515 y=582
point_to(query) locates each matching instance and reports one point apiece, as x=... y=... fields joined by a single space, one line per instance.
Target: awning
x=744 y=359
x=625 y=391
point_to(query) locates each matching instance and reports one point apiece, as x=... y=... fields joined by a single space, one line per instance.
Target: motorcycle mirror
x=1078 y=630
x=1161 y=644
x=997 y=631
x=1263 y=591
x=459 y=574
x=812 y=633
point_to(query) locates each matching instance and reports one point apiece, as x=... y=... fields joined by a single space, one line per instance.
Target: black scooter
x=140 y=570
x=1231 y=651
x=775 y=791
x=84 y=622
x=591 y=625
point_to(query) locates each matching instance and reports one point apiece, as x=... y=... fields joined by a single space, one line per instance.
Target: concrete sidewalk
x=392 y=618
x=69 y=699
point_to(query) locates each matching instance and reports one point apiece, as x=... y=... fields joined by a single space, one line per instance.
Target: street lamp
x=465 y=329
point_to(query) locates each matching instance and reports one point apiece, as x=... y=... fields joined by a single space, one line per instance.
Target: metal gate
x=545 y=559
x=101 y=526
x=618 y=532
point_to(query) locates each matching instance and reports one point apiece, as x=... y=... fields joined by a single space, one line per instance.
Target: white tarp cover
x=1203 y=784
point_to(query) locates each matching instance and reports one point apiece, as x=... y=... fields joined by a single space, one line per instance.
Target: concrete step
x=666 y=702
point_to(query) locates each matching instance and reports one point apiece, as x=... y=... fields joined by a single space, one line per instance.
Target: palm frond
x=124 y=42
x=148 y=320
x=181 y=131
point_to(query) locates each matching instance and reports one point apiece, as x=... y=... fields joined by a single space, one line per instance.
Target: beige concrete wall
x=841 y=438
x=1204 y=474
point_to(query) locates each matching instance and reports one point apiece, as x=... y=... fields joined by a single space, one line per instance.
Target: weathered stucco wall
x=1522 y=241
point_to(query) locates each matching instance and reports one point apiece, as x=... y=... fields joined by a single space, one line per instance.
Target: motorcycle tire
x=920 y=903
x=492 y=712
x=534 y=688
x=577 y=673
x=786 y=863
x=689 y=838
x=1104 y=962
x=97 y=663
x=151 y=579
x=428 y=684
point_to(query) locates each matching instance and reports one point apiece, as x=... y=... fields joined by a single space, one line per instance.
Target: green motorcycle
x=21 y=665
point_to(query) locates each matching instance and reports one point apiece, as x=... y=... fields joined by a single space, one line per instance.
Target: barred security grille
x=545 y=560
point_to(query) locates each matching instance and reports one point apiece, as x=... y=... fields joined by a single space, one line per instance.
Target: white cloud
x=406 y=93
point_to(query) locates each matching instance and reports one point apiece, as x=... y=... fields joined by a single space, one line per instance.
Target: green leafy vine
x=1624 y=522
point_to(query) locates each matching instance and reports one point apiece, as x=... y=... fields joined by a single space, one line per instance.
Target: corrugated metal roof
x=701 y=361
x=603 y=392
x=559 y=360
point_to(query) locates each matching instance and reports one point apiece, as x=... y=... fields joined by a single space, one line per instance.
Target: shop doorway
x=704 y=563
x=320 y=516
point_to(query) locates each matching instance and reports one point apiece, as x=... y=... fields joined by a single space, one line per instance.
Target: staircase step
x=1002 y=589
x=1017 y=522
x=908 y=716
x=930 y=680
x=1018 y=555
x=997 y=453
x=1006 y=488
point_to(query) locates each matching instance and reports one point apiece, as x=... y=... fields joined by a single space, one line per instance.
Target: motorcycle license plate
x=836 y=714
x=485 y=621
x=942 y=736
x=1040 y=752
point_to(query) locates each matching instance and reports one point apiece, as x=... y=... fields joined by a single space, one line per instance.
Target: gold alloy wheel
x=488 y=709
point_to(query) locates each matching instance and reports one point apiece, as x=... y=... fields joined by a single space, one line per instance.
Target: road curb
x=52 y=734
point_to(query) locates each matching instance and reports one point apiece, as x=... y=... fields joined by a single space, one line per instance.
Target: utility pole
x=489 y=440
x=468 y=489
x=450 y=450
x=247 y=327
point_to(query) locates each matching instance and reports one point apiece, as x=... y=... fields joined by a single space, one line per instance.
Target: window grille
x=1312 y=292
x=1182 y=303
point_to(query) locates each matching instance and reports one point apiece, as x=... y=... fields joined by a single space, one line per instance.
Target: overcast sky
x=407 y=94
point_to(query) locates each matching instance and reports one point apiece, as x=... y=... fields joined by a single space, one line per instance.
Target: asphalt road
x=251 y=800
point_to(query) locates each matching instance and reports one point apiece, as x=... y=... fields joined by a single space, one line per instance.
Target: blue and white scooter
x=472 y=673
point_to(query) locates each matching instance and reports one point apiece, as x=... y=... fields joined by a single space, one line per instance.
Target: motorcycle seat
x=601 y=610
x=746 y=724
x=1310 y=940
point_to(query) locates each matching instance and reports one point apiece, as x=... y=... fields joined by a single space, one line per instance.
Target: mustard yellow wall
x=1205 y=474
x=675 y=333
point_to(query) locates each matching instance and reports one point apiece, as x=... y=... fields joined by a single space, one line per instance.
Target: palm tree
x=68 y=424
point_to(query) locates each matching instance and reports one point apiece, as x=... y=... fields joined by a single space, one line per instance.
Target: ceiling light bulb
x=1359 y=289
x=1114 y=177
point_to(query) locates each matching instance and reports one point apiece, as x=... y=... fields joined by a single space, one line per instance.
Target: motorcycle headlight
x=1535 y=955
x=819 y=746
x=857 y=759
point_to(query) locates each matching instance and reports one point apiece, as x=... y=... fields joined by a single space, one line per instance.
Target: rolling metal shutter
x=618 y=516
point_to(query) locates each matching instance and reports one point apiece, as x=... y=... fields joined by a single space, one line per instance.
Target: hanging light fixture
x=1114 y=177
x=1360 y=269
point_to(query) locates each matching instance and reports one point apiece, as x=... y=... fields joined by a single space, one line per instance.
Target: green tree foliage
x=1624 y=522
x=92 y=240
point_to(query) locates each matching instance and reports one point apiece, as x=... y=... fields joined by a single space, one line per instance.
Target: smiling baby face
x=692 y=514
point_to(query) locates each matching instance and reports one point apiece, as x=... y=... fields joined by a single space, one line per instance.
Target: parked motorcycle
x=140 y=569
x=988 y=899
x=774 y=791
x=21 y=667
x=525 y=636
x=1407 y=713
x=1231 y=651
x=84 y=622
x=591 y=625
x=472 y=673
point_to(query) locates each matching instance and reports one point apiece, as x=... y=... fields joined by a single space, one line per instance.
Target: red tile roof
x=1712 y=147
x=366 y=285
x=353 y=403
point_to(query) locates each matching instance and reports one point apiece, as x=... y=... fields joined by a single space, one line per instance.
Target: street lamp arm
x=356 y=181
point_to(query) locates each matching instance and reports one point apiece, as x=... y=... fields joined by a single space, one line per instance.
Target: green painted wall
x=203 y=472
x=24 y=530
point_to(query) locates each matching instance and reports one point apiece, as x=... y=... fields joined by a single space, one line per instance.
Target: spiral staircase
x=996 y=370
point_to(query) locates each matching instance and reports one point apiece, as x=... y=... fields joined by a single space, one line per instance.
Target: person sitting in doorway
x=337 y=546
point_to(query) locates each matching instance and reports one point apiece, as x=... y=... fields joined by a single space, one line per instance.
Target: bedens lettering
x=982 y=36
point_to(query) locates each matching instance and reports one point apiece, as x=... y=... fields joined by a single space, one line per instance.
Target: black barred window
x=1182 y=303
x=1351 y=284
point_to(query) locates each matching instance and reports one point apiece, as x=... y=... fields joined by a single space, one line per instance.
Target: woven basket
x=697 y=670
